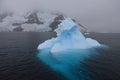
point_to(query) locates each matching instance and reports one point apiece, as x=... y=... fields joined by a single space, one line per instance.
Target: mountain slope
x=31 y=22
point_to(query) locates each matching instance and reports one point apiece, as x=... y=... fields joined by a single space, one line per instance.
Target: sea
x=18 y=61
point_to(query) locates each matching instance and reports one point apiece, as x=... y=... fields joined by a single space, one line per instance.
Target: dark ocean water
x=18 y=59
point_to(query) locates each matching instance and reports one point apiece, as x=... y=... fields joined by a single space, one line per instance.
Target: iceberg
x=68 y=38
x=67 y=52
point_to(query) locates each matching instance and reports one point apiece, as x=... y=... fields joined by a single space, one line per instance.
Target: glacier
x=66 y=53
x=68 y=37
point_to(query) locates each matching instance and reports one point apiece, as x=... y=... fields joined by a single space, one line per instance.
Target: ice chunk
x=65 y=25
x=68 y=37
x=69 y=49
x=47 y=44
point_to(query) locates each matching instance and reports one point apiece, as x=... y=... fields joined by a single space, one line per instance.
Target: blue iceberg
x=65 y=53
x=68 y=37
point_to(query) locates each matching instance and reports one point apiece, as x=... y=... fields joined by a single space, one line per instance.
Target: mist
x=96 y=15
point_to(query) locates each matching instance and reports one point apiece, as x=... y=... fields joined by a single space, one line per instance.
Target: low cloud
x=96 y=15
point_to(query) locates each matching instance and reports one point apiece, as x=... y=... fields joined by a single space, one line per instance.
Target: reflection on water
x=68 y=63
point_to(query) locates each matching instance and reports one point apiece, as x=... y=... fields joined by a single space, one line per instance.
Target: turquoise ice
x=65 y=53
x=68 y=37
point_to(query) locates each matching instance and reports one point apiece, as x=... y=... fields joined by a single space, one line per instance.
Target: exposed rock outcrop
x=33 y=19
x=56 y=21
x=18 y=29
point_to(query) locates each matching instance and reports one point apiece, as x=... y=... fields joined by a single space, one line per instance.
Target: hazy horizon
x=96 y=15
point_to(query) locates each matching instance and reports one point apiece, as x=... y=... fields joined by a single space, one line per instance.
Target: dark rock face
x=2 y=16
x=33 y=18
x=17 y=24
x=18 y=29
x=56 y=21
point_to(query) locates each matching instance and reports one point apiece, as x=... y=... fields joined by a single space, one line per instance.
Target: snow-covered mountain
x=36 y=21
x=28 y=15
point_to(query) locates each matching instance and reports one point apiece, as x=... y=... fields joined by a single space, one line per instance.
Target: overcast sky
x=96 y=15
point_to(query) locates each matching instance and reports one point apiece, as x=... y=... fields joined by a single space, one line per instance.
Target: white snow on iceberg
x=68 y=38
x=67 y=52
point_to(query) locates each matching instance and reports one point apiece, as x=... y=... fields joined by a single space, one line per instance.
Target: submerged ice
x=66 y=53
x=68 y=38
